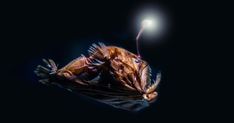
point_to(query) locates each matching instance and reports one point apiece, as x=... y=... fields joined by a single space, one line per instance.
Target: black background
x=188 y=58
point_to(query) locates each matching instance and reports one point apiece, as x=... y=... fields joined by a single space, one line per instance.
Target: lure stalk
x=137 y=40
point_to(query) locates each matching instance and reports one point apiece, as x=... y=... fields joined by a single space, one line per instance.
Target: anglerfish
x=109 y=74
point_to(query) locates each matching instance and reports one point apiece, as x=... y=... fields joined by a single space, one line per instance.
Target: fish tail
x=45 y=73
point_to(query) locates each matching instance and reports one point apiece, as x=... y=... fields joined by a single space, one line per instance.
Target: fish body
x=130 y=72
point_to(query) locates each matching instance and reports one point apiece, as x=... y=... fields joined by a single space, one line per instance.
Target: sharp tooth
x=154 y=84
x=158 y=79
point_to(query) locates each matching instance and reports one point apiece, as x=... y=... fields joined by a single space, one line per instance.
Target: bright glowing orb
x=151 y=24
x=147 y=23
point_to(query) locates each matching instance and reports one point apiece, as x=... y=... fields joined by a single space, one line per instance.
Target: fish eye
x=137 y=60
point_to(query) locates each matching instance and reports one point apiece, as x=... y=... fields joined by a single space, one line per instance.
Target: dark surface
x=62 y=31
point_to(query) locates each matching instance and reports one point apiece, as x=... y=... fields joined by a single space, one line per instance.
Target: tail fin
x=45 y=73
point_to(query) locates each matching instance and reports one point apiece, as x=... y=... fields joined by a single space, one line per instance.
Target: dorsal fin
x=94 y=48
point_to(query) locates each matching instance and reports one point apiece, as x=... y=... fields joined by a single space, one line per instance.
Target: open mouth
x=145 y=72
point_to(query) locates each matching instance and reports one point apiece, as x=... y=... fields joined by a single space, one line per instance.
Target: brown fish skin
x=127 y=68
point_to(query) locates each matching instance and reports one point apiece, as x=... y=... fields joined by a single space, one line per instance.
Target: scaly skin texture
x=128 y=69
